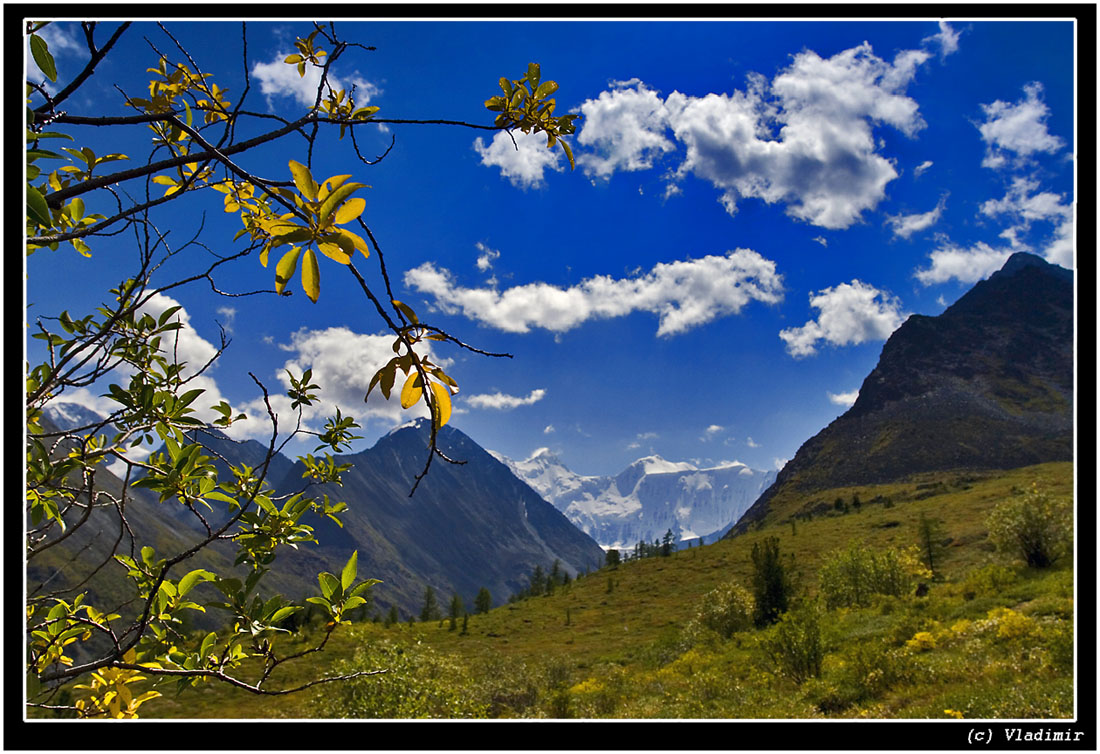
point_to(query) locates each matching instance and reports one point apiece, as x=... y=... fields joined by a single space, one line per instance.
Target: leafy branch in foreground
x=138 y=529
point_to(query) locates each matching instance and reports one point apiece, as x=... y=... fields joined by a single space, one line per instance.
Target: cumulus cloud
x=1018 y=128
x=849 y=314
x=947 y=39
x=504 y=402
x=343 y=363
x=804 y=139
x=965 y=264
x=844 y=399
x=626 y=129
x=549 y=429
x=906 y=225
x=684 y=295
x=1023 y=205
x=522 y=158
x=277 y=79
x=919 y=170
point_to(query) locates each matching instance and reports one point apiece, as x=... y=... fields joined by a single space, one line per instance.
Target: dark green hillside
x=988 y=384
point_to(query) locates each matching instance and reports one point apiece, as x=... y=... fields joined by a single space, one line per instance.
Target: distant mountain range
x=987 y=384
x=467 y=527
x=647 y=499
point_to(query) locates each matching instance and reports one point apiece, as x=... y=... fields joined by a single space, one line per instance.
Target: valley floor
x=987 y=638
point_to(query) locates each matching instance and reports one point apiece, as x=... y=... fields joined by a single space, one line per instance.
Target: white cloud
x=684 y=294
x=278 y=79
x=1023 y=205
x=822 y=240
x=751 y=443
x=947 y=38
x=343 y=363
x=549 y=429
x=850 y=313
x=906 y=225
x=486 y=258
x=919 y=170
x=1020 y=128
x=967 y=265
x=823 y=165
x=710 y=432
x=626 y=128
x=504 y=402
x=844 y=399
x=522 y=161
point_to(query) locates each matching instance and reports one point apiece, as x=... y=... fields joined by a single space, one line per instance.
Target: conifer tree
x=483 y=602
x=430 y=611
x=771 y=585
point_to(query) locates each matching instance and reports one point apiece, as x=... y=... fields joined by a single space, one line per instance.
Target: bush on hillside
x=1033 y=526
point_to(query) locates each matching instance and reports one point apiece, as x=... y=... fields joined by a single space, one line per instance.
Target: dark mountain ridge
x=987 y=384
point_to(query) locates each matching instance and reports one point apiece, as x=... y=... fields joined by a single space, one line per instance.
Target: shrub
x=850 y=577
x=1034 y=527
x=417 y=682
x=725 y=610
x=795 y=647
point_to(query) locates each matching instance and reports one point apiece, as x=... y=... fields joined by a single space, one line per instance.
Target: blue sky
x=756 y=206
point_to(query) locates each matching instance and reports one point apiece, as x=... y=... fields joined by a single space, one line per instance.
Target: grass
x=613 y=645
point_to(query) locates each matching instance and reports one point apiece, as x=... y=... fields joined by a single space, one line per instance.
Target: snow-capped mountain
x=647 y=499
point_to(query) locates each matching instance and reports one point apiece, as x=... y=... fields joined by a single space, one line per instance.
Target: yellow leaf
x=284 y=270
x=441 y=410
x=330 y=185
x=357 y=241
x=303 y=179
x=311 y=276
x=410 y=394
x=334 y=252
x=352 y=209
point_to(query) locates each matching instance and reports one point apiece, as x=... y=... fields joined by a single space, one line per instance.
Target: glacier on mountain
x=647 y=499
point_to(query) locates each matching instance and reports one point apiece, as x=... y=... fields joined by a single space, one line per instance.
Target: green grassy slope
x=997 y=637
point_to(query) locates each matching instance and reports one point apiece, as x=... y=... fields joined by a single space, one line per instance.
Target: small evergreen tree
x=392 y=617
x=483 y=602
x=930 y=533
x=771 y=584
x=612 y=558
x=430 y=611
x=456 y=610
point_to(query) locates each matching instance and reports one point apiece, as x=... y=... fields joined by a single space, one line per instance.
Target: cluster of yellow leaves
x=109 y=693
x=441 y=388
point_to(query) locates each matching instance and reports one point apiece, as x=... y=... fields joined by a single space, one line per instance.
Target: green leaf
x=194 y=577
x=37 y=208
x=40 y=51
x=311 y=275
x=533 y=75
x=546 y=89
x=347 y=576
x=328 y=584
